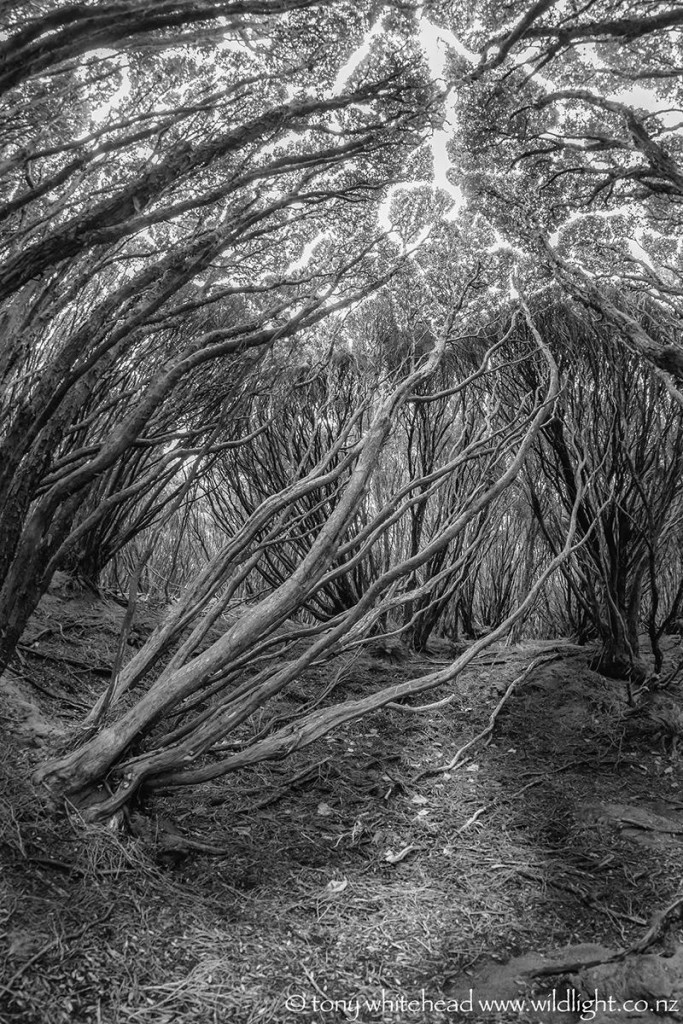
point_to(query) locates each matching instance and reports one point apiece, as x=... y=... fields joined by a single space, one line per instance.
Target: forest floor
x=361 y=880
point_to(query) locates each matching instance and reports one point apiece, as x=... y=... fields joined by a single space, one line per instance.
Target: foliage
x=161 y=198
x=257 y=369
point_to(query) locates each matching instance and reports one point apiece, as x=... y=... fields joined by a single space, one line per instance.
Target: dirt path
x=346 y=884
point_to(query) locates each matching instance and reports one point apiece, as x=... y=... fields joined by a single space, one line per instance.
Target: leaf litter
x=362 y=878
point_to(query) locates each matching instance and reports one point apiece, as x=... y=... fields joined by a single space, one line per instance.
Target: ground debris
x=350 y=869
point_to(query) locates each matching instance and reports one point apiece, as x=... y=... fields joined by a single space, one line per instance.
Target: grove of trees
x=260 y=366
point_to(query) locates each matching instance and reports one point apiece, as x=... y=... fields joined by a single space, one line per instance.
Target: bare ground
x=359 y=880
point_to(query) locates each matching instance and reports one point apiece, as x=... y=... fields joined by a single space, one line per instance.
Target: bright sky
x=100 y=114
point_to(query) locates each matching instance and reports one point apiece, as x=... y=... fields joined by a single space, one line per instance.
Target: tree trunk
x=75 y=775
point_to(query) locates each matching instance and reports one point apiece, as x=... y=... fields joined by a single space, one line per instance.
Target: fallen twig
x=572 y=966
x=471 y=821
x=544 y=775
x=78 y=705
x=291 y=784
x=313 y=982
x=99 y=670
x=48 y=946
x=412 y=709
x=659 y=922
x=72 y=869
x=454 y=762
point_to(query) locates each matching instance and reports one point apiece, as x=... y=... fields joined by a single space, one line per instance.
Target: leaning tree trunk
x=170 y=760
x=78 y=773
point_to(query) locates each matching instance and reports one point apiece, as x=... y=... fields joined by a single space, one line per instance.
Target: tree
x=208 y=695
x=206 y=325
x=150 y=244
x=576 y=109
x=616 y=424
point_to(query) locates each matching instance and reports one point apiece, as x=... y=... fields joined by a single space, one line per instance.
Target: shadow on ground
x=345 y=884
